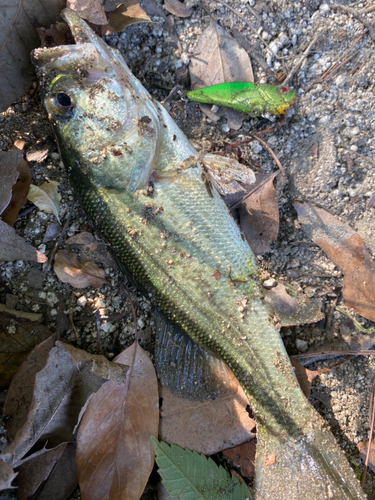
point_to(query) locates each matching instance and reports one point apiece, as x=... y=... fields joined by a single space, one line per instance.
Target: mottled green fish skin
x=254 y=100
x=185 y=250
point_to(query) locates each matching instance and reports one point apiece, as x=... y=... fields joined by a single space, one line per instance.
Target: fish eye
x=63 y=100
x=61 y=103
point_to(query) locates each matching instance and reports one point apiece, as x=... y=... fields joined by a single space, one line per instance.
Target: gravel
x=326 y=147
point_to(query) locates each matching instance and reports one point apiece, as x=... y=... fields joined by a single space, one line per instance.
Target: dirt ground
x=326 y=147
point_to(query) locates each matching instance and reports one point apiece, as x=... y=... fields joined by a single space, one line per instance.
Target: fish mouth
x=84 y=49
x=81 y=32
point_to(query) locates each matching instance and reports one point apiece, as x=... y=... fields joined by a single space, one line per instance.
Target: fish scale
x=189 y=256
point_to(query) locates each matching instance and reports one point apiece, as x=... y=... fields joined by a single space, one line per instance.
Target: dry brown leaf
x=303 y=378
x=217 y=58
x=7 y=475
x=127 y=13
x=116 y=462
x=52 y=232
x=70 y=270
x=206 y=426
x=306 y=376
x=91 y=10
x=91 y=249
x=258 y=211
x=13 y=247
x=46 y=197
x=363 y=447
x=347 y=250
x=19 y=190
x=61 y=388
x=17 y=338
x=291 y=306
x=243 y=456
x=34 y=471
x=177 y=8
x=8 y=175
x=17 y=38
x=20 y=392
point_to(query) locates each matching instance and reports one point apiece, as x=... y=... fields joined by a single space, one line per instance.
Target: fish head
x=105 y=122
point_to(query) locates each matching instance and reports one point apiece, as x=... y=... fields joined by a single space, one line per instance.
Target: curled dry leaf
x=218 y=58
x=61 y=388
x=13 y=247
x=17 y=338
x=258 y=211
x=177 y=8
x=347 y=250
x=207 y=426
x=116 y=462
x=46 y=197
x=70 y=270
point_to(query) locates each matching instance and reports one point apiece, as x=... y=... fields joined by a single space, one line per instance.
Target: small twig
x=359 y=15
x=357 y=325
x=370 y=160
x=97 y=323
x=344 y=58
x=363 y=352
x=60 y=239
x=304 y=56
x=175 y=89
x=71 y=322
x=277 y=161
x=371 y=433
x=332 y=307
x=313 y=374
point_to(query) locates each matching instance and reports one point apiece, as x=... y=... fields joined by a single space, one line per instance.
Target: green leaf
x=186 y=475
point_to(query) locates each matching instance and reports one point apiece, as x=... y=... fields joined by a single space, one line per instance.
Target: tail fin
x=310 y=467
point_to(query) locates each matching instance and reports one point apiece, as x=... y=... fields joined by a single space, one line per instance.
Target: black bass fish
x=184 y=249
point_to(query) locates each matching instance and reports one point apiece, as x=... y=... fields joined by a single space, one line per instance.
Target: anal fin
x=186 y=368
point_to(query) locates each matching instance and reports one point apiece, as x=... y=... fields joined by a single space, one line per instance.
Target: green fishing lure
x=254 y=100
